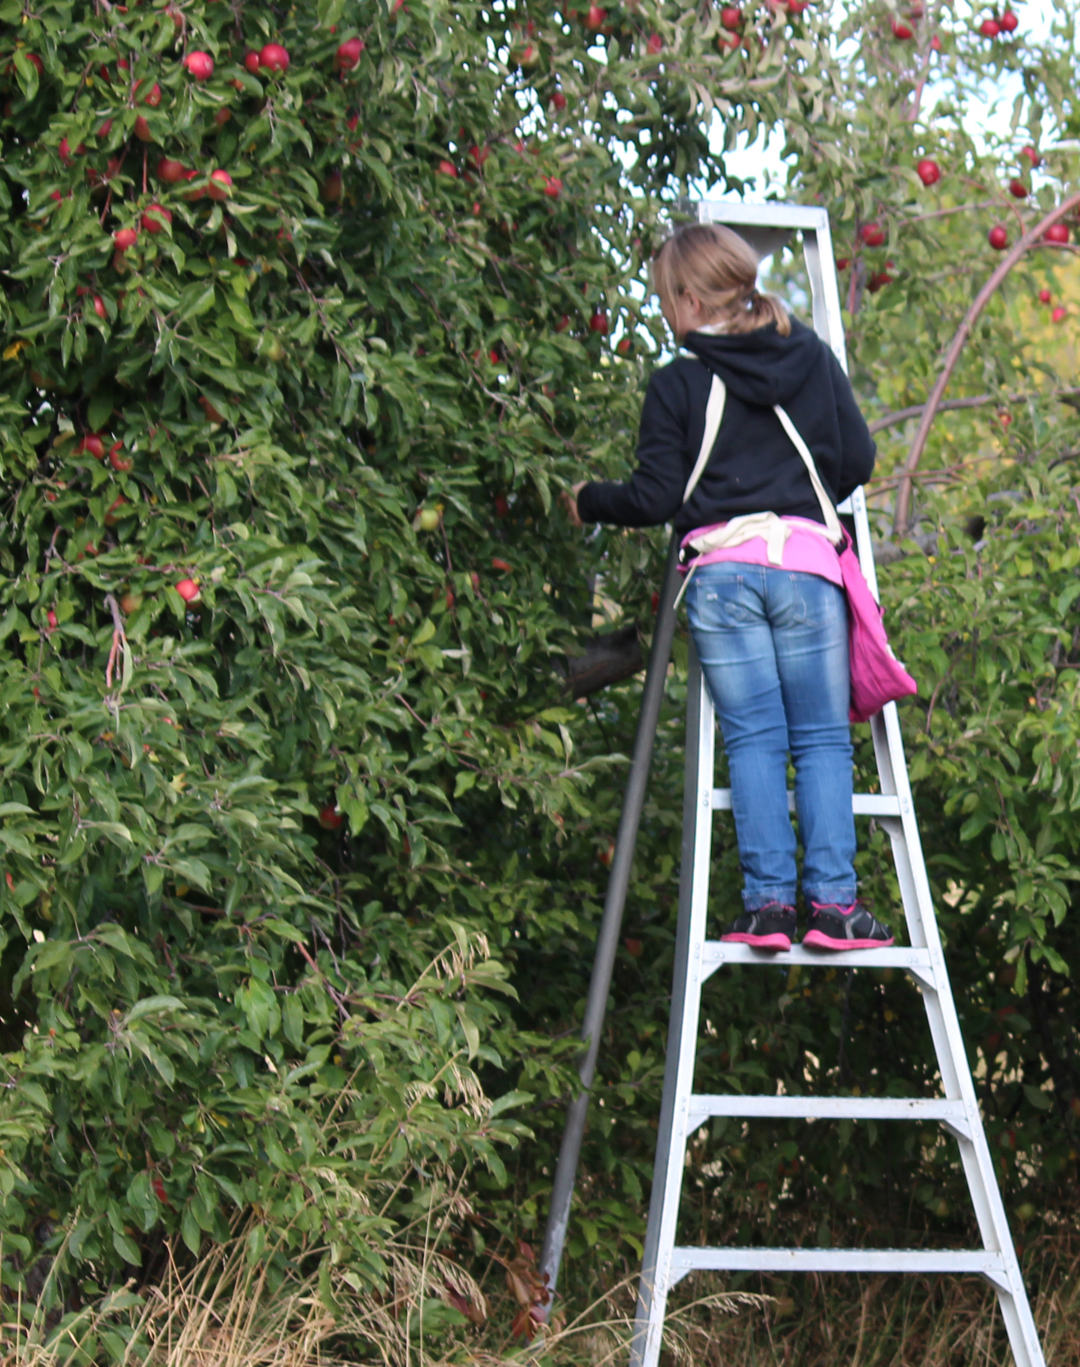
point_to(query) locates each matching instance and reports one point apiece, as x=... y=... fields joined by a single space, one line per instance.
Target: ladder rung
x=829 y=1107
x=862 y=804
x=717 y=952
x=979 y=1262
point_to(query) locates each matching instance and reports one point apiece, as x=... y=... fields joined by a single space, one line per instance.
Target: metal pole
x=610 y=926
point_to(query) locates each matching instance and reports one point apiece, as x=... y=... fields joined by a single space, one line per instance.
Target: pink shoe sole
x=776 y=941
x=817 y=939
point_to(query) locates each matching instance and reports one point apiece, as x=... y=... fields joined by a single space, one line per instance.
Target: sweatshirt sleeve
x=857 y=447
x=653 y=493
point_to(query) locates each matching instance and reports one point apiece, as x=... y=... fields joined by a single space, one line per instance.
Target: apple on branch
x=188 y=589
x=200 y=65
x=274 y=57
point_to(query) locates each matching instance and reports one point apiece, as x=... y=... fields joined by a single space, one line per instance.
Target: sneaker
x=770 y=927
x=833 y=927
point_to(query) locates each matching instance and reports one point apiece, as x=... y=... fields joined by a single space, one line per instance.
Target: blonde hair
x=719 y=268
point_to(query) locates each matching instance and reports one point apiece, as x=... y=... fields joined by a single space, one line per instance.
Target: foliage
x=240 y=829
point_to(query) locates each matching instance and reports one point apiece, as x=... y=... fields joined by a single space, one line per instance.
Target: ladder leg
x=682 y=1031
x=949 y=1042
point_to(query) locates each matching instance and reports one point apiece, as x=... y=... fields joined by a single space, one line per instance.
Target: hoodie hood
x=759 y=367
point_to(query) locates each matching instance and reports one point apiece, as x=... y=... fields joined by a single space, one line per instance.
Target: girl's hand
x=569 y=502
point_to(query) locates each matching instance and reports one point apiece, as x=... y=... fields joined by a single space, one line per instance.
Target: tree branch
x=975 y=401
x=1029 y=239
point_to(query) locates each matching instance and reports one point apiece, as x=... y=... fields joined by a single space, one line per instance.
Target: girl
x=767 y=611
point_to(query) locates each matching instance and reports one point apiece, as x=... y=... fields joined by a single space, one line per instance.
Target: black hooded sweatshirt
x=753 y=467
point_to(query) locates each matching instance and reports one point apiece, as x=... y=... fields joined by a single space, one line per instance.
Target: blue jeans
x=773 y=646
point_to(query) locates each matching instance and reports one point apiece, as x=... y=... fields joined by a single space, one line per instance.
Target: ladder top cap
x=762 y=215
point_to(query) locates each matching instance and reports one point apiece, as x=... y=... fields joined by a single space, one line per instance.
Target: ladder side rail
x=949 y=1047
x=683 y=1029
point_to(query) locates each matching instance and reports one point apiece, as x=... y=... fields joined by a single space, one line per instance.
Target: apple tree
x=307 y=314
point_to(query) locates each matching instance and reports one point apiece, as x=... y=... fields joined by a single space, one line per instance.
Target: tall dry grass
x=223 y=1313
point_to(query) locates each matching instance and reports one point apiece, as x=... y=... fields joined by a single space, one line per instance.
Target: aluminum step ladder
x=696 y=957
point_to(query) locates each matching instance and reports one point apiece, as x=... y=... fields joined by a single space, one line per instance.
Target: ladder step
x=862 y=804
x=717 y=952
x=980 y=1263
x=829 y=1107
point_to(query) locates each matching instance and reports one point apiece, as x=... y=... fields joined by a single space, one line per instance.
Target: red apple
x=843 y=262
x=200 y=65
x=904 y=32
x=872 y=234
x=251 y=63
x=113 y=509
x=154 y=218
x=596 y=17
x=998 y=238
x=105 y=129
x=605 y=856
x=118 y=460
x=1057 y=232
x=447 y=168
x=478 y=155
x=152 y=96
x=170 y=171
x=624 y=346
x=330 y=819
x=1031 y=155
x=142 y=129
x=497 y=564
x=558 y=101
x=1018 y=189
x=222 y=117
x=1045 y=296
x=731 y=17
x=125 y=238
x=100 y=309
x=274 y=57
x=929 y=172
x=347 y=56
x=220 y=186
x=878 y=280
x=188 y=589
x=94 y=446
x=563 y=323
x=1059 y=314
x=1008 y=21
x=634 y=947
x=53 y=622
x=599 y=322
x=1005 y=418
x=552 y=187
x=989 y=28
x=655 y=45
x=502 y=507
x=935 y=43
